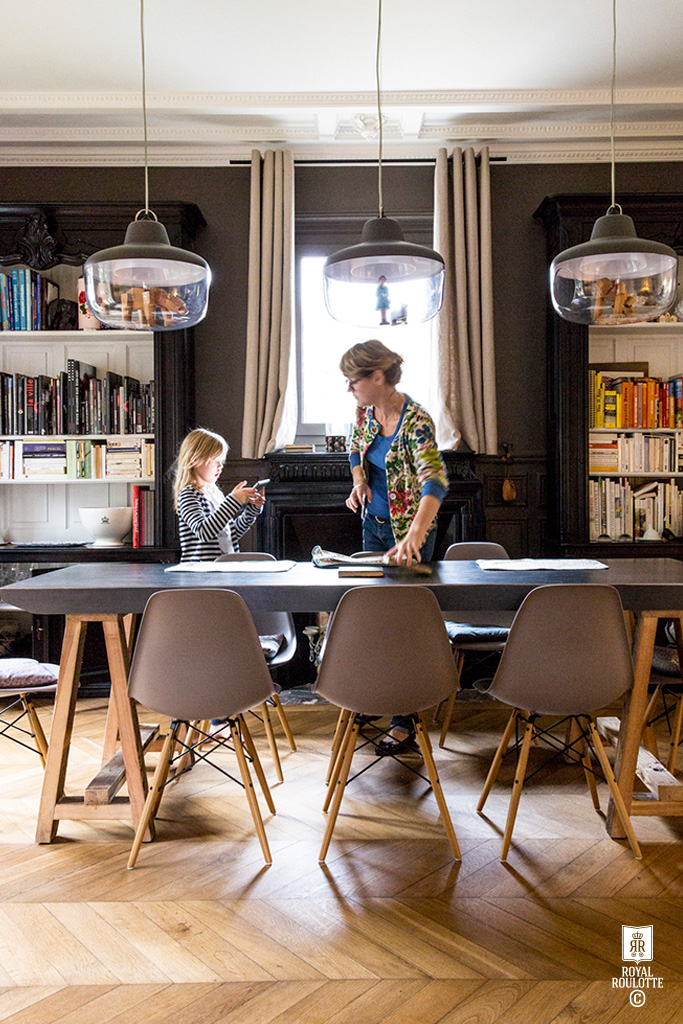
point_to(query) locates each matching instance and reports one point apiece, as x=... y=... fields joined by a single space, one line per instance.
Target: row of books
x=24 y=298
x=110 y=459
x=143 y=517
x=76 y=401
x=634 y=402
x=635 y=453
x=620 y=512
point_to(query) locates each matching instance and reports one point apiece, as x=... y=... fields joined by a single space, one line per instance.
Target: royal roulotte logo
x=636 y=973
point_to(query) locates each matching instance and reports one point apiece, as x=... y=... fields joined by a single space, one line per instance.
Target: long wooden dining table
x=110 y=593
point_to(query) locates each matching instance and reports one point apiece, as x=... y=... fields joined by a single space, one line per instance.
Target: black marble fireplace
x=305 y=505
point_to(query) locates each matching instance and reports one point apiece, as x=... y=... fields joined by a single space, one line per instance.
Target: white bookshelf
x=45 y=509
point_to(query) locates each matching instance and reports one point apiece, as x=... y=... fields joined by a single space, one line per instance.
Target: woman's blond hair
x=199 y=446
x=363 y=359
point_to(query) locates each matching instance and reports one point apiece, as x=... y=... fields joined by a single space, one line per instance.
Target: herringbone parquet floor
x=391 y=930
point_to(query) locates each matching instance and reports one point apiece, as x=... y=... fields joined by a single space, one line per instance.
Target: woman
x=399 y=477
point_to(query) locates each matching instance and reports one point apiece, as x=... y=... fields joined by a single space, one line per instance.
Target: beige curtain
x=270 y=379
x=467 y=369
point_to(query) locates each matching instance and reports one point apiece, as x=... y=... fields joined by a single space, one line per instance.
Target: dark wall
x=520 y=270
x=222 y=194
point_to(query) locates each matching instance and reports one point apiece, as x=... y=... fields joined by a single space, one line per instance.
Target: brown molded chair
x=271 y=624
x=473 y=631
x=568 y=655
x=198 y=657
x=386 y=653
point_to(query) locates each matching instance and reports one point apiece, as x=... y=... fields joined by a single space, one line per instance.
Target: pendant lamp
x=146 y=282
x=616 y=277
x=383 y=272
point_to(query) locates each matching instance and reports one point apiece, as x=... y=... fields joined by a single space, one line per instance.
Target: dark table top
x=643 y=583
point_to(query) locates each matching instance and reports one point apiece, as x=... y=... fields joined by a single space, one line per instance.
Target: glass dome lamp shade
x=147 y=283
x=384 y=279
x=616 y=277
x=413 y=278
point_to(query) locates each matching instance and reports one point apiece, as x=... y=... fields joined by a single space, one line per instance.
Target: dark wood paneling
x=518 y=525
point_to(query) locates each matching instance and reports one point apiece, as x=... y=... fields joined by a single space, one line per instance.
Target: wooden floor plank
x=389 y=931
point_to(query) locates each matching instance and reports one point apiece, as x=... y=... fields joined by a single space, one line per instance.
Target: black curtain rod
x=422 y=161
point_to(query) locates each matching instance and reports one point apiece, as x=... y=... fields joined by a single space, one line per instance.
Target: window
x=324 y=401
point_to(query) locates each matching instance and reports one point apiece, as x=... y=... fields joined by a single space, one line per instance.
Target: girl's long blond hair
x=198 y=446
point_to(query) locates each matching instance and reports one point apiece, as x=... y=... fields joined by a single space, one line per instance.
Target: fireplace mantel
x=305 y=505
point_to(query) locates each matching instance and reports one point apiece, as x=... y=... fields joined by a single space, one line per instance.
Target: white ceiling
x=528 y=78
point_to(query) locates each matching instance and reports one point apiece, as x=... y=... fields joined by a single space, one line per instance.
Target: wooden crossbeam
x=112 y=775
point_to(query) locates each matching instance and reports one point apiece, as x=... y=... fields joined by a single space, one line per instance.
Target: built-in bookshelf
x=568 y=221
x=43 y=247
x=51 y=381
x=635 y=433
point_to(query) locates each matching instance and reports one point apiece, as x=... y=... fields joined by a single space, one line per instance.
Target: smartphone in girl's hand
x=262 y=483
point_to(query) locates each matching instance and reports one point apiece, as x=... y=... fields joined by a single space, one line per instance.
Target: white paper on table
x=283 y=565
x=529 y=564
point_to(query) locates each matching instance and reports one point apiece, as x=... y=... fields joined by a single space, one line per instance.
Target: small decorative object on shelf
x=509 y=490
x=86 y=321
x=107 y=526
x=335 y=443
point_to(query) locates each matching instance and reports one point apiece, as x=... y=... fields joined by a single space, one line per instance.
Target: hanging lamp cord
x=147 y=212
x=614 y=207
x=378 y=59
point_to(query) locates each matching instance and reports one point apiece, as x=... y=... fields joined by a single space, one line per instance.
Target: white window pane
x=324 y=397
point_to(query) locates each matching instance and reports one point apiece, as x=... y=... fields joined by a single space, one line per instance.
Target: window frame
x=321 y=235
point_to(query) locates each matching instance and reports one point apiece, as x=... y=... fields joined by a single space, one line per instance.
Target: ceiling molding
x=215 y=155
x=658 y=97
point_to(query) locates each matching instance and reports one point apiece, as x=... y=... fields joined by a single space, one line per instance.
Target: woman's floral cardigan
x=413 y=463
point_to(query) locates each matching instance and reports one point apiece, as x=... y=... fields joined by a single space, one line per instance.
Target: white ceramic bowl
x=107 y=526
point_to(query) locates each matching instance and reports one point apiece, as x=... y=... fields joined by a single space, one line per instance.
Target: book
x=44 y=458
x=360 y=572
x=136 y=515
x=4 y=304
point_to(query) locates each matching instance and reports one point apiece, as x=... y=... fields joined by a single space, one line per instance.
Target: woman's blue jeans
x=380 y=537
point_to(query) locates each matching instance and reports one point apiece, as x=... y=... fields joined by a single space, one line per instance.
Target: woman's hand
x=360 y=493
x=248 y=495
x=408 y=549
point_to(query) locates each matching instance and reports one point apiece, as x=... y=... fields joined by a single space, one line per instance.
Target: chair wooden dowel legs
x=426 y=749
x=249 y=790
x=283 y=721
x=497 y=761
x=36 y=727
x=336 y=762
x=517 y=788
x=251 y=750
x=587 y=762
x=447 y=716
x=619 y=805
x=274 y=752
x=675 y=737
x=345 y=757
x=154 y=794
x=339 y=730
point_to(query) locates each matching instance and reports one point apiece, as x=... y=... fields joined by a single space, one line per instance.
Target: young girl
x=210 y=523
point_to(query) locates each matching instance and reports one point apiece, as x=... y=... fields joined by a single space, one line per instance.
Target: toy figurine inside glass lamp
x=146 y=282
x=616 y=277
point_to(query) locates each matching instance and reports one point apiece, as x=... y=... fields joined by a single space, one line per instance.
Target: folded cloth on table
x=529 y=564
x=332 y=560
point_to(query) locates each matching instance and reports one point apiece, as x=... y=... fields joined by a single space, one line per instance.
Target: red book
x=136 y=515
